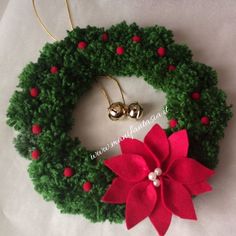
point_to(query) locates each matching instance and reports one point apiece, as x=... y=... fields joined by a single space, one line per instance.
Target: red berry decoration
x=161 y=52
x=120 y=50
x=68 y=172
x=196 y=96
x=36 y=129
x=87 y=186
x=54 y=70
x=136 y=38
x=82 y=45
x=173 y=123
x=34 y=92
x=171 y=68
x=205 y=120
x=105 y=37
x=35 y=154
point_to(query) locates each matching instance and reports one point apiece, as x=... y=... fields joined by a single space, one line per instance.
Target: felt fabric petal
x=199 y=188
x=118 y=191
x=189 y=171
x=178 y=145
x=178 y=200
x=140 y=203
x=130 y=167
x=157 y=141
x=160 y=216
x=135 y=146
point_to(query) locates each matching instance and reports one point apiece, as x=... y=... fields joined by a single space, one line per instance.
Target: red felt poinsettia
x=156 y=178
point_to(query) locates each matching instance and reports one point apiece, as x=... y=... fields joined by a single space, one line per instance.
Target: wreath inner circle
x=91 y=110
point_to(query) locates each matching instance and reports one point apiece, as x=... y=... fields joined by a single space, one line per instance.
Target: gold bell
x=117 y=111
x=135 y=110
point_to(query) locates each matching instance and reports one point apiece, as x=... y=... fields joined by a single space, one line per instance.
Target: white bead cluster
x=153 y=177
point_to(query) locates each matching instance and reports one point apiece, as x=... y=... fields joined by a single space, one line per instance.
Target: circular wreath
x=41 y=109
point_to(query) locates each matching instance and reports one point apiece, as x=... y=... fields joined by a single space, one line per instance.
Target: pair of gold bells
x=120 y=110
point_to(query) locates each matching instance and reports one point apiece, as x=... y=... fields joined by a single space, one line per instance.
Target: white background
x=208 y=27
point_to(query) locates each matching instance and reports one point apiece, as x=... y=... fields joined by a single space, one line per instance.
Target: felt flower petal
x=118 y=191
x=199 y=188
x=157 y=141
x=178 y=145
x=140 y=203
x=189 y=171
x=135 y=146
x=178 y=200
x=130 y=167
x=160 y=216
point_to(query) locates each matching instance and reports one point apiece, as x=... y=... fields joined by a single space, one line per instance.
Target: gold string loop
x=45 y=27
x=106 y=94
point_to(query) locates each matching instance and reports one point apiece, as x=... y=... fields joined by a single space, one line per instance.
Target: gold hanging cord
x=105 y=93
x=45 y=27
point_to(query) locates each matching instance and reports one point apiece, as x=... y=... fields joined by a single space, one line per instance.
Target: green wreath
x=41 y=110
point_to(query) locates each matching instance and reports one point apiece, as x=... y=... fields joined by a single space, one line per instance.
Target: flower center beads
x=153 y=176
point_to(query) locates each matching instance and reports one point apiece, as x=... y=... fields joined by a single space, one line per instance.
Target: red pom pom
x=104 y=37
x=173 y=123
x=196 y=96
x=35 y=154
x=171 y=67
x=54 y=69
x=34 y=92
x=87 y=186
x=82 y=45
x=136 y=38
x=205 y=120
x=120 y=50
x=68 y=172
x=36 y=129
x=161 y=52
